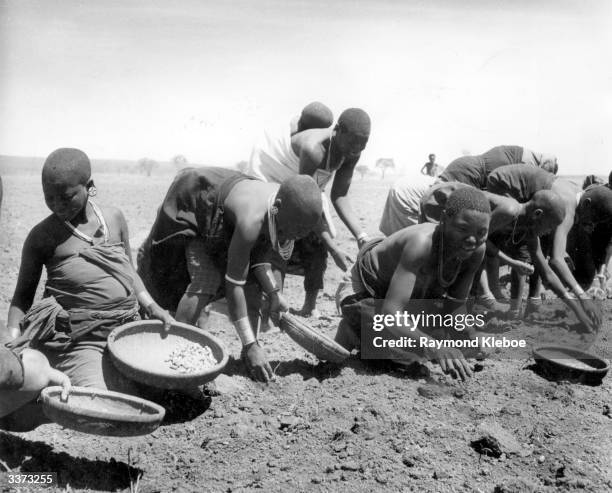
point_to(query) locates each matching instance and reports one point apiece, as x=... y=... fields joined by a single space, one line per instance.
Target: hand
x=523 y=268
x=451 y=359
x=583 y=317
x=38 y=374
x=278 y=305
x=363 y=241
x=342 y=260
x=256 y=362
x=592 y=310
x=157 y=312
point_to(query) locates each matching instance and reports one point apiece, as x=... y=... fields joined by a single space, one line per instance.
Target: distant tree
x=383 y=164
x=180 y=161
x=242 y=166
x=147 y=165
x=362 y=169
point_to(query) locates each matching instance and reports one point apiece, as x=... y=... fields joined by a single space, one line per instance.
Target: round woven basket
x=312 y=341
x=102 y=412
x=562 y=362
x=139 y=350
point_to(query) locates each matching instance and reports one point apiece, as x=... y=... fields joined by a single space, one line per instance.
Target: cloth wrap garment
x=192 y=210
x=86 y=296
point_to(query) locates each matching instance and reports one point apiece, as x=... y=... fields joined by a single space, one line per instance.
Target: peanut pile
x=190 y=358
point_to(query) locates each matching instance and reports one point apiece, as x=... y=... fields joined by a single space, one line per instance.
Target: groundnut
x=191 y=358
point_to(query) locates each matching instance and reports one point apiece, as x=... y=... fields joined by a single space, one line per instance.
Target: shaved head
x=315 y=115
x=598 y=200
x=300 y=207
x=550 y=203
x=66 y=164
x=354 y=121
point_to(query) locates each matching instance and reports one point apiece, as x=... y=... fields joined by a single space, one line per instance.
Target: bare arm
x=243 y=239
x=339 y=197
x=398 y=297
x=145 y=300
x=30 y=271
x=551 y=280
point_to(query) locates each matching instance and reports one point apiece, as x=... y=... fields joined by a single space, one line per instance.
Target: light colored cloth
x=543 y=160
x=402 y=208
x=272 y=158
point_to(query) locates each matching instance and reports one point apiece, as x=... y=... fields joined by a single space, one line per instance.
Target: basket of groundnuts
x=183 y=357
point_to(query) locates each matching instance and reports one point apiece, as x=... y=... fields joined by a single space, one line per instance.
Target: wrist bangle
x=245 y=332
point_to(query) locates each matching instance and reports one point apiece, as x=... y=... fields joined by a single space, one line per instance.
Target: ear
x=89 y=184
x=276 y=205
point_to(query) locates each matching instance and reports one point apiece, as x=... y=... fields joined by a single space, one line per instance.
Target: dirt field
x=319 y=427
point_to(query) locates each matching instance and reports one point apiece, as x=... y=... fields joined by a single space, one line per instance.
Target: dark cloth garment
x=49 y=327
x=519 y=181
x=193 y=207
x=11 y=370
x=502 y=156
x=434 y=200
x=83 y=311
x=368 y=271
x=474 y=170
x=588 y=252
x=309 y=258
x=470 y=170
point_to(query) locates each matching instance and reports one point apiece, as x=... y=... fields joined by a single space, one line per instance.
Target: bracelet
x=234 y=281
x=245 y=332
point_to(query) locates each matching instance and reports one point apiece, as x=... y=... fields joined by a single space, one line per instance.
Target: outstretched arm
x=560 y=267
x=550 y=279
x=145 y=300
x=342 y=204
x=239 y=254
x=30 y=271
x=398 y=299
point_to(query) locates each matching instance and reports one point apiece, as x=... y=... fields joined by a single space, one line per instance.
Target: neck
x=82 y=216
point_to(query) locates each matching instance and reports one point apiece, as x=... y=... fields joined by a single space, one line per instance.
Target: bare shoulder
x=308 y=143
x=415 y=243
x=44 y=236
x=112 y=215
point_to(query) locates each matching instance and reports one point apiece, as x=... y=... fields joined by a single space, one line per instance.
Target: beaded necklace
x=286 y=249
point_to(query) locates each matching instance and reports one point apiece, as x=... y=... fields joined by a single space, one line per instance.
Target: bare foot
x=306 y=312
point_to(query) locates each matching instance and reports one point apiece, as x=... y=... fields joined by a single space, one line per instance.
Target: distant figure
x=431 y=168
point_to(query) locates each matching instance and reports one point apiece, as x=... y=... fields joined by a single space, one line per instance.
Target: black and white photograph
x=305 y=245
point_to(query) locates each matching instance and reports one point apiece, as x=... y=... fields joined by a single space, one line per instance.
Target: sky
x=128 y=79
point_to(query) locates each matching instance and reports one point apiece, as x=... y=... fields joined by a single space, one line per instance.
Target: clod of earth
x=493 y=440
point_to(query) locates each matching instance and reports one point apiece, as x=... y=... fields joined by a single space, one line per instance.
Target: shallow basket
x=563 y=362
x=139 y=350
x=101 y=412
x=312 y=341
